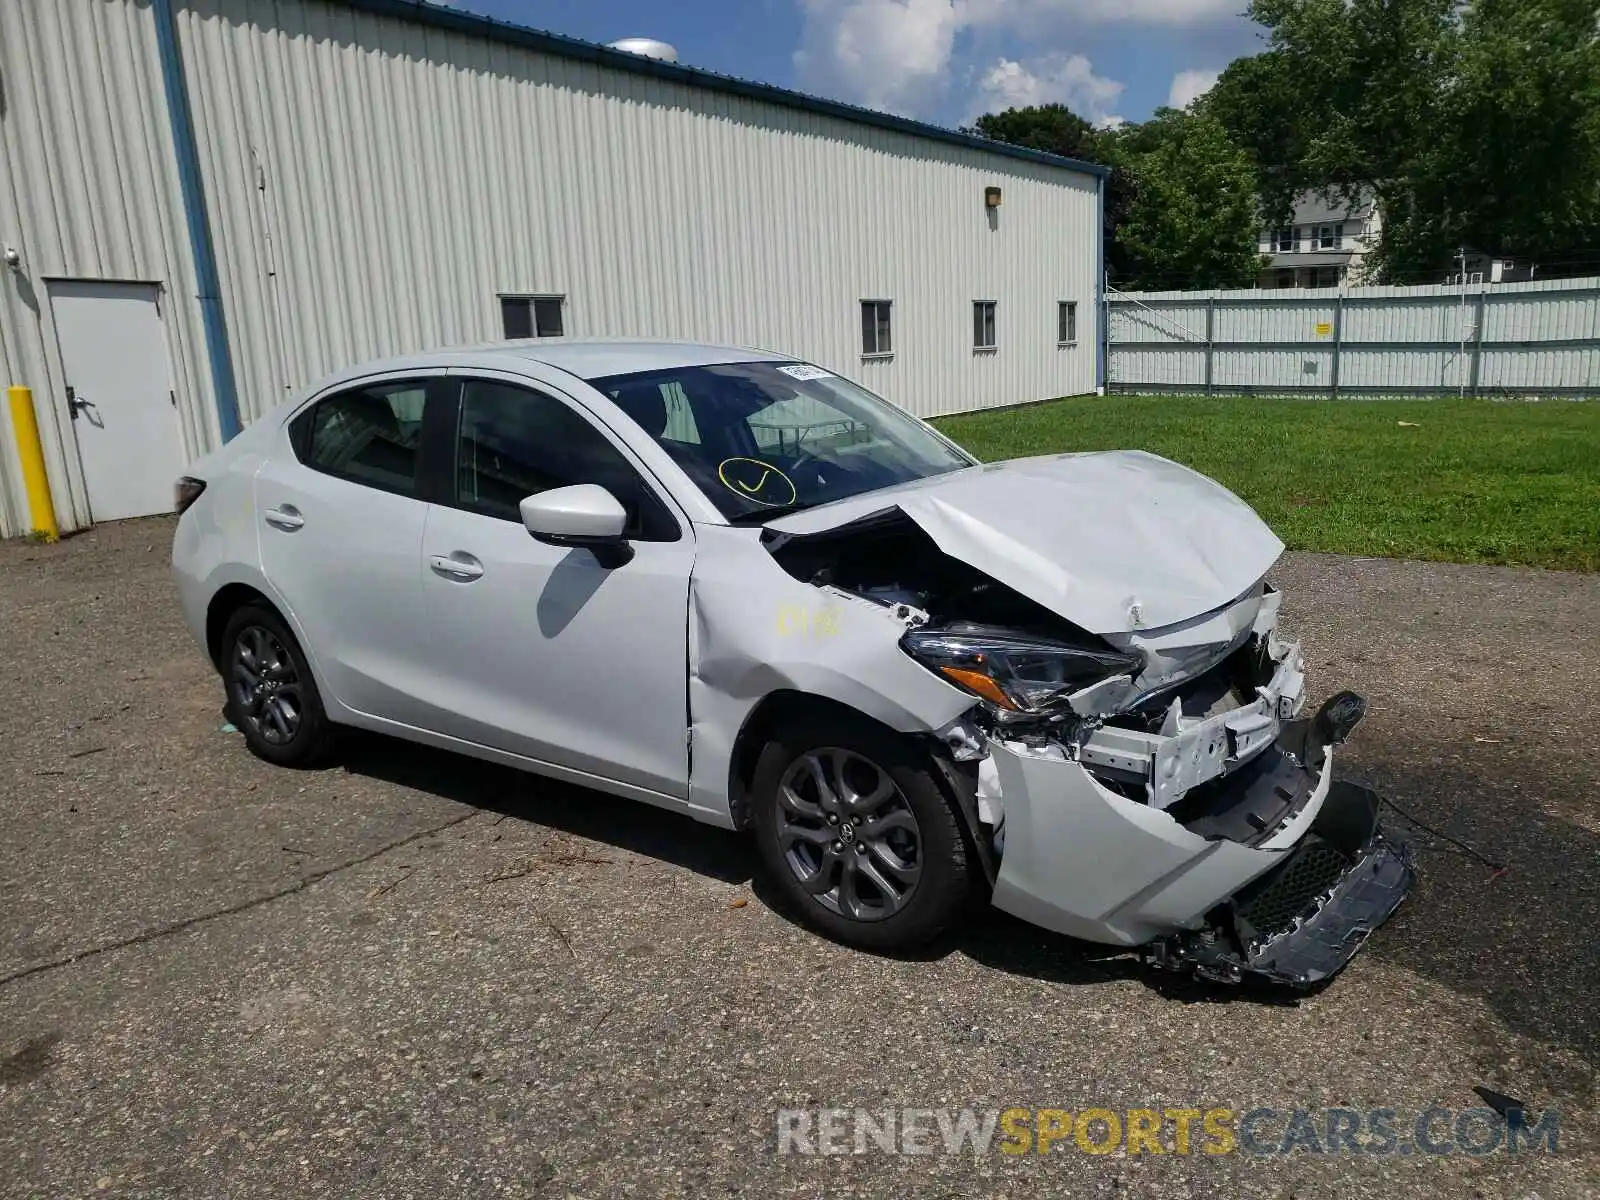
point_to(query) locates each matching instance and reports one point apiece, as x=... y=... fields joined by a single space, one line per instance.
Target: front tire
x=272 y=697
x=855 y=831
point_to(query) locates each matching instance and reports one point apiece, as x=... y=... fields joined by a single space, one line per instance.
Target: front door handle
x=285 y=517
x=458 y=566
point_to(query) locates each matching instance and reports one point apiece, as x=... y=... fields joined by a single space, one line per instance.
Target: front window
x=1283 y=240
x=764 y=438
x=512 y=442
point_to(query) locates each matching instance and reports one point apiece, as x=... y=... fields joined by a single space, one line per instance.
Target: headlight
x=1013 y=672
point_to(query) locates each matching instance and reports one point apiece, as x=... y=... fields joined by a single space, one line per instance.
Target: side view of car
x=740 y=586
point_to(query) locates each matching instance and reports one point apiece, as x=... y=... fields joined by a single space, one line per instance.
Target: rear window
x=367 y=435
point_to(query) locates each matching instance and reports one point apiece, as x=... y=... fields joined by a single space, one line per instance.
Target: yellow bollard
x=41 y=509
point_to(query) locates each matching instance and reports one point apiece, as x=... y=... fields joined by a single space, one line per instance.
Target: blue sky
x=937 y=60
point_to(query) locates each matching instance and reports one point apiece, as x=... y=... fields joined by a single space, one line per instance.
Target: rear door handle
x=458 y=566
x=285 y=517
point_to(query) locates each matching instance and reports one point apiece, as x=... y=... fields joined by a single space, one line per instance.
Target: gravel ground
x=412 y=974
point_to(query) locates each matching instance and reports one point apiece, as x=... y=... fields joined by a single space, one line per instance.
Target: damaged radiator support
x=1185 y=754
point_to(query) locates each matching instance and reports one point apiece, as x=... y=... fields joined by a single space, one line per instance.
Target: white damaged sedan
x=736 y=585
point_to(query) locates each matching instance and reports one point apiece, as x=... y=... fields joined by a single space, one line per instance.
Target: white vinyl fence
x=1540 y=338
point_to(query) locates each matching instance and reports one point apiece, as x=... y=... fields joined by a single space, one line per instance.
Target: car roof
x=587 y=358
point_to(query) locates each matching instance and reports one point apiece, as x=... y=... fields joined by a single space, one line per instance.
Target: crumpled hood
x=1114 y=542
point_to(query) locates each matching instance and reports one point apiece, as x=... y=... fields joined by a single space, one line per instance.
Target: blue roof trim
x=570 y=47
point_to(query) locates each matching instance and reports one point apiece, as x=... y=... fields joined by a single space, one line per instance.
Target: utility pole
x=1461 y=360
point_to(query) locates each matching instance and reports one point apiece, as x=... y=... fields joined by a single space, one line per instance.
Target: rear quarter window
x=367 y=435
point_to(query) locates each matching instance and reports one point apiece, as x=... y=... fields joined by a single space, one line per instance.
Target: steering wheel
x=801 y=458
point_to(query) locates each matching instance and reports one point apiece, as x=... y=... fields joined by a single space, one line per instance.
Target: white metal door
x=119 y=384
x=554 y=653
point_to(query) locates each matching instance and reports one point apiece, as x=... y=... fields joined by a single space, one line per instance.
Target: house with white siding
x=1325 y=243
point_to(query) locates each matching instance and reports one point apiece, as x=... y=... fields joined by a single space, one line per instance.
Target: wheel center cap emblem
x=847 y=833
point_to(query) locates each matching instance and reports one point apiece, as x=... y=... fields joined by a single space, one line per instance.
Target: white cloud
x=1189 y=86
x=1152 y=12
x=1061 y=79
x=888 y=54
x=897 y=54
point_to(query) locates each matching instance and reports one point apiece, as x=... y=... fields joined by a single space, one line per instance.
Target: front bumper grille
x=1272 y=905
x=1318 y=943
x=1302 y=921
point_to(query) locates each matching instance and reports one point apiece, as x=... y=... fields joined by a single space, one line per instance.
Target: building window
x=1338 y=235
x=1324 y=277
x=531 y=316
x=1066 y=322
x=875 y=341
x=983 y=325
x=1326 y=238
x=1283 y=240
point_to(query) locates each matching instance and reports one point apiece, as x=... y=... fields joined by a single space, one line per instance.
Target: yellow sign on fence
x=1324 y=328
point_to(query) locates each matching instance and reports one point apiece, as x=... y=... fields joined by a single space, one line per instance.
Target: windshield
x=763 y=438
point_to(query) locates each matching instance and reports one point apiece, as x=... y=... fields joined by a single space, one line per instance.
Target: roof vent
x=646 y=48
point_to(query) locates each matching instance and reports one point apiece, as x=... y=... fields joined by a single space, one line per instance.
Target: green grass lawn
x=1475 y=480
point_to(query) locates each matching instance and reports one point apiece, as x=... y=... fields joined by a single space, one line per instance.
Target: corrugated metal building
x=207 y=204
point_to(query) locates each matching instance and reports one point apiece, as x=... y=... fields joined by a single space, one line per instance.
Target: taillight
x=186 y=491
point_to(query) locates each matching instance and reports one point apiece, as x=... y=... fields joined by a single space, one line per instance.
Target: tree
x=1053 y=128
x=1255 y=99
x=1194 y=220
x=1525 y=120
x=1475 y=124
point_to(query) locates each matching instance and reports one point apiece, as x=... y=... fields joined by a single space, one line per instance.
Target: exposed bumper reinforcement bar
x=1301 y=922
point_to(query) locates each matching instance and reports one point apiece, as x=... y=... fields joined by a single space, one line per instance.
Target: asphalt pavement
x=411 y=974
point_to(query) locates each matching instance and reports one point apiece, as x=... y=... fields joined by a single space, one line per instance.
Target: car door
x=340 y=513
x=553 y=652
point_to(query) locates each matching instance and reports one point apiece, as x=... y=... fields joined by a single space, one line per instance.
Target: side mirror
x=584 y=514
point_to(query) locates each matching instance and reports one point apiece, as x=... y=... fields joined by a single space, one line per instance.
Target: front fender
x=755 y=630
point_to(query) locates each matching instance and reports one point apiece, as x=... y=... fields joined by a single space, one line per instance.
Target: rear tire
x=856 y=833
x=272 y=697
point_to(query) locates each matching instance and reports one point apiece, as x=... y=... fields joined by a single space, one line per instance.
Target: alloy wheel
x=848 y=834
x=265 y=686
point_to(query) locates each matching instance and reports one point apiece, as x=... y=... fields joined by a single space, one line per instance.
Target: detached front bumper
x=1302 y=921
x=1277 y=872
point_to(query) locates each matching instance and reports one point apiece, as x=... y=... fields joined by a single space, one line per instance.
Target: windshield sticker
x=759 y=481
x=804 y=371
